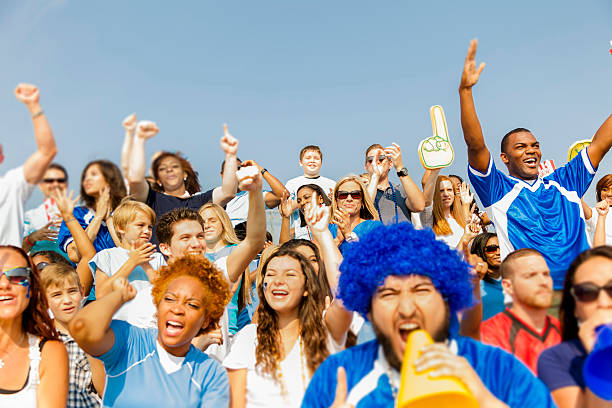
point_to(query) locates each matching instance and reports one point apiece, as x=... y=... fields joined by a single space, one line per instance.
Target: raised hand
x=317 y=217
x=471 y=74
x=103 y=203
x=229 y=144
x=142 y=253
x=247 y=163
x=602 y=208
x=64 y=202
x=343 y=220
x=249 y=178
x=46 y=233
x=587 y=332
x=129 y=123
x=395 y=153
x=203 y=341
x=464 y=193
x=28 y=94
x=285 y=208
x=126 y=290
x=146 y=129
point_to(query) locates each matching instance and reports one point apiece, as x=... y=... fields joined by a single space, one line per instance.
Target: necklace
x=281 y=379
x=18 y=345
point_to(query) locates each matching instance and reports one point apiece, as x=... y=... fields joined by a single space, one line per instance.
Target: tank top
x=25 y=397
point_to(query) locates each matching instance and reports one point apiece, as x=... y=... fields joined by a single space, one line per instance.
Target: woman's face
x=492 y=252
x=303 y=199
x=170 y=173
x=283 y=285
x=595 y=271
x=94 y=181
x=447 y=194
x=606 y=194
x=310 y=255
x=181 y=314
x=456 y=183
x=213 y=228
x=349 y=197
x=14 y=292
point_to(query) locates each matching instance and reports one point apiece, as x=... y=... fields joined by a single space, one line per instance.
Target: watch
x=403 y=172
x=263 y=171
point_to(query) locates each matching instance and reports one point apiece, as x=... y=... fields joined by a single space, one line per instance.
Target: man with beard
x=524 y=329
x=530 y=211
x=403 y=279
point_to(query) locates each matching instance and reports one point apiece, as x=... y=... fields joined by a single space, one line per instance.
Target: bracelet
x=37 y=114
x=27 y=238
x=263 y=171
x=70 y=220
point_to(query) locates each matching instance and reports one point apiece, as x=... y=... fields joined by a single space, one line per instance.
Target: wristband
x=27 y=238
x=37 y=114
x=263 y=171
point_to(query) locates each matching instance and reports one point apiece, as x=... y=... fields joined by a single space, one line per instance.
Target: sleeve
x=576 y=175
x=151 y=198
x=205 y=197
x=116 y=359
x=426 y=217
x=17 y=183
x=494 y=335
x=64 y=237
x=242 y=353
x=100 y=262
x=216 y=389
x=554 y=369
x=491 y=186
x=321 y=391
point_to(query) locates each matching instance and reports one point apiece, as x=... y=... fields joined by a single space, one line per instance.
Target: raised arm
x=139 y=188
x=129 y=124
x=415 y=200
x=273 y=199
x=91 y=325
x=247 y=250
x=602 y=141
x=478 y=154
x=599 y=237
x=229 y=183
x=285 y=210
x=35 y=166
x=372 y=187
x=429 y=185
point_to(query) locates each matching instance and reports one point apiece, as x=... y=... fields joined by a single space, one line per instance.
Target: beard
x=441 y=335
x=538 y=300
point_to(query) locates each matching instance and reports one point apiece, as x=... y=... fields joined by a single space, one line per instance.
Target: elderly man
x=403 y=279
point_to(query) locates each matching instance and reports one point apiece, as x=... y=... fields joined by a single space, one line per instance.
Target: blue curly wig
x=402 y=250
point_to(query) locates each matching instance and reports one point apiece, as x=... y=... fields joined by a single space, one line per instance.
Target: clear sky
x=283 y=74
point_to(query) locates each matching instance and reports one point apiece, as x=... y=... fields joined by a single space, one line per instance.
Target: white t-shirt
x=591 y=223
x=457 y=231
x=292 y=186
x=214 y=350
x=14 y=192
x=262 y=390
x=139 y=311
x=238 y=207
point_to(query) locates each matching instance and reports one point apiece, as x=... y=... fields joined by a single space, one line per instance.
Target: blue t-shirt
x=504 y=376
x=360 y=230
x=84 y=216
x=492 y=297
x=561 y=366
x=135 y=376
x=546 y=215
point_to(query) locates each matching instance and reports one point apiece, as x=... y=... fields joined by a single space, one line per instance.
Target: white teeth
x=174 y=324
x=5 y=298
x=279 y=292
x=409 y=326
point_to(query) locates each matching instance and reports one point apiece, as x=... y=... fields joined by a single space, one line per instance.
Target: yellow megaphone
x=419 y=391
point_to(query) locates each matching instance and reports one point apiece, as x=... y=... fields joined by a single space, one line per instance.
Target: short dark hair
x=505 y=269
x=311 y=148
x=371 y=147
x=59 y=167
x=506 y=138
x=223 y=164
x=52 y=256
x=164 y=227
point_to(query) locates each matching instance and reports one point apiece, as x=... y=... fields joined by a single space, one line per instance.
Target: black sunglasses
x=343 y=195
x=381 y=158
x=588 y=292
x=54 y=180
x=491 y=248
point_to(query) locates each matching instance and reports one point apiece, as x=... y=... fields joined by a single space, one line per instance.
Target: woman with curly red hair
x=33 y=363
x=160 y=367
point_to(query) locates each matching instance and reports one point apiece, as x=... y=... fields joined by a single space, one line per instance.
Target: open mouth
x=68 y=310
x=279 y=293
x=531 y=162
x=174 y=328
x=405 y=330
x=6 y=299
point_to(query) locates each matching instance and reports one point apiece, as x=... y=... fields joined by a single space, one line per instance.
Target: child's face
x=65 y=301
x=137 y=231
x=311 y=162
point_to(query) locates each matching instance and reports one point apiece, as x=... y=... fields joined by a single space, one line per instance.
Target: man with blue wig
x=402 y=280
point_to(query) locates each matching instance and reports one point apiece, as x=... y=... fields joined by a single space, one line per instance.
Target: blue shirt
x=505 y=377
x=84 y=216
x=360 y=230
x=492 y=297
x=135 y=376
x=546 y=215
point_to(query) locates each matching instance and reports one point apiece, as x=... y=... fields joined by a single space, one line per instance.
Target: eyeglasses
x=381 y=158
x=588 y=292
x=489 y=249
x=54 y=180
x=42 y=265
x=17 y=276
x=343 y=195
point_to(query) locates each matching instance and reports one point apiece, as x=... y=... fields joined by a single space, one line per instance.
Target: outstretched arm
x=285 y=210
x=229 y=184
x=602 y=141
x=139 y=188
x=478 y=154
x=129 y=124
x=35 y=166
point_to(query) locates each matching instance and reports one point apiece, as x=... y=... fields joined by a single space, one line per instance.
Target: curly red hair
x=216 y=287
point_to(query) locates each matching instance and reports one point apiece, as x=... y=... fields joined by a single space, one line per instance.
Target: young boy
x=62 y=286
x=311 y=160
x=135 y=259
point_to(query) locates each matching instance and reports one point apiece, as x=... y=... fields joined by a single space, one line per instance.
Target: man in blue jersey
x=403 y=279
x=529 y=211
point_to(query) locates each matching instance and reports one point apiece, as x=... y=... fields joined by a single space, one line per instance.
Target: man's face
x=530 y=284
x=403 y=304
x=523 y=156
x=378 y=156
x=53 y=180
x=311 y=162
x=187 y=239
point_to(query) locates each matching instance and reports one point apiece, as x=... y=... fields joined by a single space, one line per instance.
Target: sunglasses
x=343 y=195
x=588 y=292
x=17 y=276
x=489 y=249
x=54 y=180
x=381 y=158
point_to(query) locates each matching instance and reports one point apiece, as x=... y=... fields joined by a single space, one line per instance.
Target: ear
x=504 y=158
x=300 y=162
x=165 y=249
x=120 y=231
x=507 y=286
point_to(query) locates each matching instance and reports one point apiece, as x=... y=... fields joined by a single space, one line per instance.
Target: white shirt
x=591 y=223
x=14 y=192
x=292 y=186
x=214 y=350
x=262 y=390
x=452 y=240
x=139 y=311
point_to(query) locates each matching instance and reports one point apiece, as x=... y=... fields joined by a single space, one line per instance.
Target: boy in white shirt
x=135 y=259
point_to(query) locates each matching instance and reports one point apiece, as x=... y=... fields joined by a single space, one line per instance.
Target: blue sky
x=341 y=74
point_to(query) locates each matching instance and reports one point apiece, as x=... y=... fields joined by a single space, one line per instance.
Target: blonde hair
x=127 y=210
x=57 y=275
x=228 y=235
x=367 y=211
x=440 y=225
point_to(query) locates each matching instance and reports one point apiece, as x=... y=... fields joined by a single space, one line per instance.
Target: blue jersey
x=84 y=216
x=505 y=377
x=136 y=374
x=546 y=215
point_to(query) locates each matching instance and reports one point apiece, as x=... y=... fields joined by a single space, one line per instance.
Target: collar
x=170 y=363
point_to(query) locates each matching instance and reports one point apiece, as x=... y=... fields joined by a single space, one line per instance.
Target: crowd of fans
x=153 y=292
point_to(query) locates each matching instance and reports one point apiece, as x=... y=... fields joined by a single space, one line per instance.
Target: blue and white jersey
x=545 y=215
x=367 y=377
x=140 y=373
